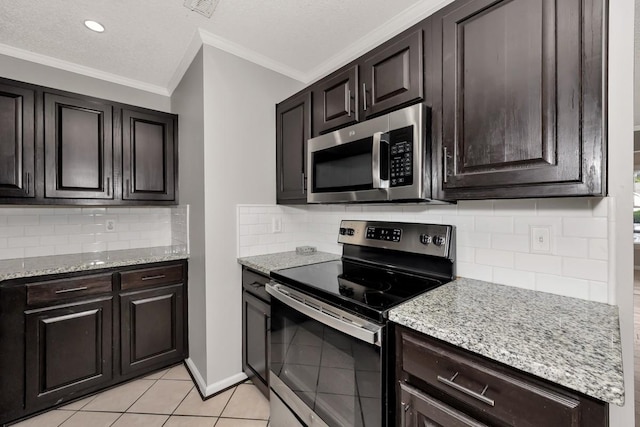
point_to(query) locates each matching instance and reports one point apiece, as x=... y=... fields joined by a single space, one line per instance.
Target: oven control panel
x=428 y=239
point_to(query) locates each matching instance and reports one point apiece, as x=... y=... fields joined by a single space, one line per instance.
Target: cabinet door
x=293 y=129
x=68 y=350
x=148 y=156
x=393 y=75
x=334 y=100
x=418 y=409
x=78 y=148
x=256 y=315
x=151 y=328
x=522 y=93
x=17 y=130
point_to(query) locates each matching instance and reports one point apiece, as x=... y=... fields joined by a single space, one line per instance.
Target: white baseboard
x=211 y=389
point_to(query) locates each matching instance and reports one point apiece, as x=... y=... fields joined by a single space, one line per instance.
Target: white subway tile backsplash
x=472 y=239
x=9 y=253
x=38 y=230
x=517 y=278
x=476 y=271
x=3 y=242
x=584 y=227
x=562 y=285
x=11 y=231
x=68 y=229
x=572 y=247
x=598 y=249
x=577 y=206
x=23 y=242
x=538 y=263
x=510 y=242
x=585 y=269
x=465 y=254
x=522 y=225
x=24 y=220
x=68 y=249
x=54 y=219
x=495 y=224
x=39 y=251
x=598 y=291
x=495 y=257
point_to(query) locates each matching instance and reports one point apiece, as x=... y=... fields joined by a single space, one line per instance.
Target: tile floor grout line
x=140 y=397
x=178 y=405
x=226 y=404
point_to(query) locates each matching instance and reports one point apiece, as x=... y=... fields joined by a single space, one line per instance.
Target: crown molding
x=382 y=33
x=80 y=69
x=192 y=50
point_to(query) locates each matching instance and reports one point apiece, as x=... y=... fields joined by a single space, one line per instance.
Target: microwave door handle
x=376 y=162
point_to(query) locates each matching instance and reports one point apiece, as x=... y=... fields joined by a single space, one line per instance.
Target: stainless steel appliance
x=383 y=159
x=329 y=337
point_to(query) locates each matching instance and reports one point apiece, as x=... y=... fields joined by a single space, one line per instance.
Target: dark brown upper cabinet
x=335 y=100
x=17 y=141
x=392 y=75
x=148 y=156
x=293 y=129
x=78 y=144
x=518 y=98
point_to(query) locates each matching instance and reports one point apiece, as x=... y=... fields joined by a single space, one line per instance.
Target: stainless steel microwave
x=384 y=159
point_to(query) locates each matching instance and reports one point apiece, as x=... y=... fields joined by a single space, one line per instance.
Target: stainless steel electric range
x=330 y=352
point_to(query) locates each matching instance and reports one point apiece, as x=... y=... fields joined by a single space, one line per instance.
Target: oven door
x=326 y=365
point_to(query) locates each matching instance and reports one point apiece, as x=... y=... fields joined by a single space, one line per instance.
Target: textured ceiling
x=146 y=40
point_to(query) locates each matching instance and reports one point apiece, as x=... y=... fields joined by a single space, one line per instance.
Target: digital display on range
x=386 y=234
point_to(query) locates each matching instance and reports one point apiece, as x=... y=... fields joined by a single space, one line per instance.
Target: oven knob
x=350 y=231
x=343 y=231
x=438 y=240
x=425 y=239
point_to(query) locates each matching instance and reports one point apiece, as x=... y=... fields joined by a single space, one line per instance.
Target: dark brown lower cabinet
x=69 y=335
x=68 y=350
x=442 y=385
x=256 y=323
x=151 y=328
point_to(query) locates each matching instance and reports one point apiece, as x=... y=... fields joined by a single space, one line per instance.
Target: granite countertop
x=571 y=342
x=270 y=262
x=40 y=266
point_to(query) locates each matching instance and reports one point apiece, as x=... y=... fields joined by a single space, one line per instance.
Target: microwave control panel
x=401 y=157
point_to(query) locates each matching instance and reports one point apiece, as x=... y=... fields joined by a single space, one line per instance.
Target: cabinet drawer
x=151 y=276
x=501 y=397
x=57 y=290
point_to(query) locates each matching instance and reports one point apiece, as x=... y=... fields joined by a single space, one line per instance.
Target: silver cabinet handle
x=304 y=186
x=479 y=396
x=27 y=189
x=64 y=291
x=446 y=157
x=127 y=187
x=403 y=414
x=364 y=96
x=108 y=186
x=159 y=276
x=347 y=102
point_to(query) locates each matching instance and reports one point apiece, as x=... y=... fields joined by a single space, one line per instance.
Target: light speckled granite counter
x=40 y=266
x=267 y=263
x=568 y=341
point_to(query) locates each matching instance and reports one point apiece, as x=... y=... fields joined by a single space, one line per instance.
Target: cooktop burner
x=364 y=289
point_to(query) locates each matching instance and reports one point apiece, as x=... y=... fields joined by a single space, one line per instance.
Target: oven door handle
x=365 y=331
x=376 y=162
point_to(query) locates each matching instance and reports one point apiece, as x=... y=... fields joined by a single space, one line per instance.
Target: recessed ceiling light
x=94 y=26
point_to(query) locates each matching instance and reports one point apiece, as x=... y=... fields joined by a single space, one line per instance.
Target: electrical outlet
x=540 y=239
x=110 y=225
x=276 y=224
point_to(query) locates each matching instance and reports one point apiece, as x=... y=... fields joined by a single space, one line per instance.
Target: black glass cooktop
x=364 y=289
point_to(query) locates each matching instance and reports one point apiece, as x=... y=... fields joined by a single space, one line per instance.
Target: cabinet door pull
x=108 y=186
x=446 y=156
x=479 y=396
x=126 y=185
x=27 y=189
x=347 y=102
x=364 y=96
x=159 y=276
x=403 y=413
x=64 y=291
x=304 y=183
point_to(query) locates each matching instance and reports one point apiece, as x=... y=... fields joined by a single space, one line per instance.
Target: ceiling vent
x=203 y=7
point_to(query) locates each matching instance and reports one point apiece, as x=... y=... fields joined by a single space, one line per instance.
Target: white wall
x=188 y=102
x=31 y=72
x=231 y=162
x=621 y=54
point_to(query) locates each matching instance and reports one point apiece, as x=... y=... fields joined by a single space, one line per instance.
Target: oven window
x=346 y=167
x=337 y=376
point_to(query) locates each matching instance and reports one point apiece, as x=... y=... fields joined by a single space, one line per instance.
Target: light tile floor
x=166 y=398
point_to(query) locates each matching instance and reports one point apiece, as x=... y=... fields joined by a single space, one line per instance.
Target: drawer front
x=151 y=277
x=62 y=289
x=499 y=396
